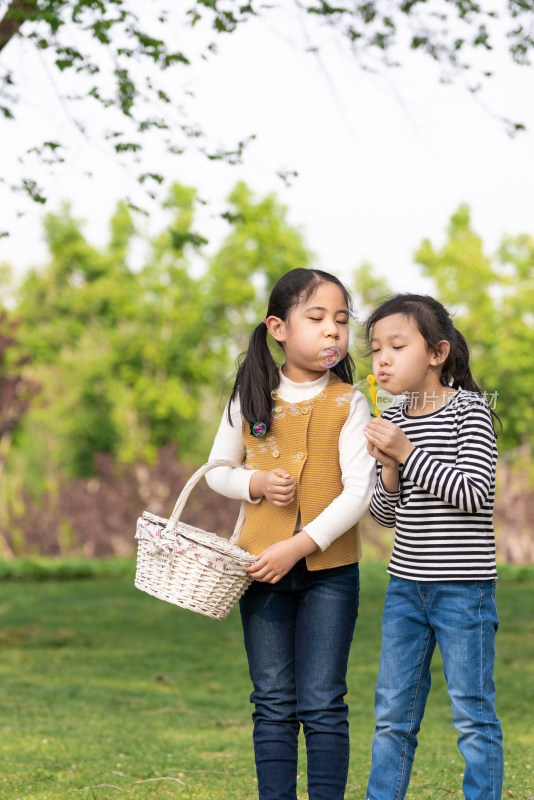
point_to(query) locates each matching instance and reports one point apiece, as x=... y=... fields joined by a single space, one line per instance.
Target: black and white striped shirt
x=442 y=513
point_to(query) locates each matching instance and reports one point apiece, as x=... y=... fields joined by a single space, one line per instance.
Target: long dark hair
x=435 y=325
x=257 y=374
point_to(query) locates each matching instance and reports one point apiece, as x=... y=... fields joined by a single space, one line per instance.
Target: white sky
x=383 y=160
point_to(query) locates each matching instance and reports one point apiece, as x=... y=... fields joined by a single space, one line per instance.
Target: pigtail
x=257 y=377
x=459 y=374
x=456 y=371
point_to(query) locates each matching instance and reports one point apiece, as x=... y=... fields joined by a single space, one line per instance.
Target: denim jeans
x=298 y=634
x=461 y=616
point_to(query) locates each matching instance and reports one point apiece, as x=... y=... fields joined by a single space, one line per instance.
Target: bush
x=64 y=569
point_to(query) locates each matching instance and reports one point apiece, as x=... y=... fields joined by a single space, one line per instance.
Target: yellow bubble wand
x=371 y=380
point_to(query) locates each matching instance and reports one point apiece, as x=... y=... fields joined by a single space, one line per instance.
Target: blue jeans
x=298 y=634
x=461 y=616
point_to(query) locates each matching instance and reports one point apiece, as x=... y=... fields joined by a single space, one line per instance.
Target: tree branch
x=17 y=13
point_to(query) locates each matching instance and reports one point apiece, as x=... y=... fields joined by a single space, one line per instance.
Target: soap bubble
x=329 y=357
x=259 y=429
x=279 y=412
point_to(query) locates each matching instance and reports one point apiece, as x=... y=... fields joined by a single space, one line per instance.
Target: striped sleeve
x=383 y=503
x=467 y=484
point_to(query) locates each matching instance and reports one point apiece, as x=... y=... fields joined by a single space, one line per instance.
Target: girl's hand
x=386 y=461
x=389 y=441
x=277 y=486
x=276 y=560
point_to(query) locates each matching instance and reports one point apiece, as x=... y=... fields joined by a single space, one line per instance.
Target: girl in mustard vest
x=307 y=478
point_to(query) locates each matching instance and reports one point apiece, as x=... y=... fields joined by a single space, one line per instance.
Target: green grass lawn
x=108 y=693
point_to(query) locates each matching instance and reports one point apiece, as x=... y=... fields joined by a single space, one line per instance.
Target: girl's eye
x=375 y=350
x=338 y=321
x=400 y=347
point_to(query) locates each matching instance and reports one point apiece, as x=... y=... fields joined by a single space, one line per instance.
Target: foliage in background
x=16 y=391
x=96 y=516
x=131 y=359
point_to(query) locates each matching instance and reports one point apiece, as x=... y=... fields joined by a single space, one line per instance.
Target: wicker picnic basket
x=190 y=567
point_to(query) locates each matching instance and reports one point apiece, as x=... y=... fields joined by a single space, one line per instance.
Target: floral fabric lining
x=151 y=531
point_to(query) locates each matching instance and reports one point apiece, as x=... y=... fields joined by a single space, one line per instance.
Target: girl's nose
x=331 y=331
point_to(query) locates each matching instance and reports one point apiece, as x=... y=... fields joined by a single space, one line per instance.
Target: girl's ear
x=277 y=328
x=440 y=353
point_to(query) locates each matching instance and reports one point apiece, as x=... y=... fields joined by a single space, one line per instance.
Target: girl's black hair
x=257 y=374
x=435 y=325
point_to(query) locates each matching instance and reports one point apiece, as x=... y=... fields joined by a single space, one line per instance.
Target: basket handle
x=190 y=485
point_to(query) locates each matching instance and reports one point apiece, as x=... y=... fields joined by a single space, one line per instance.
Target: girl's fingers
x=373 y=441
x=260 y=571
x=380 y=427
x=283 y=489
x=372 y=449
x=280 y=473
x=281 y=503
x=281 y=478
x=282 y=498
x=266 y=575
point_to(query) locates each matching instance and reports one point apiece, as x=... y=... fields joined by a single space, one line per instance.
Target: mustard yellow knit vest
x=304 y=441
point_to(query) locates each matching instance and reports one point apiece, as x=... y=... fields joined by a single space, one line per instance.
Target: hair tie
x=264 y=320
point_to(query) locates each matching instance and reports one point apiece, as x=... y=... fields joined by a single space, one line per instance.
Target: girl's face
x=402 y=361
x=319 y=322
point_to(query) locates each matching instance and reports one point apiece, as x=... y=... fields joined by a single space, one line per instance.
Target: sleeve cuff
x=316 y=536
x=391 y=497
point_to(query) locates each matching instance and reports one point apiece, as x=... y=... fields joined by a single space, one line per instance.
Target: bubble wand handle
x=371 y=380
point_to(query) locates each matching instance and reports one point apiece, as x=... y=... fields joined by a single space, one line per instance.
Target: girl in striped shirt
x=436 y=459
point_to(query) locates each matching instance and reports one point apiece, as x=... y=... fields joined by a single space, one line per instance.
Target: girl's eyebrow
x=321 y=308
x=392 y=336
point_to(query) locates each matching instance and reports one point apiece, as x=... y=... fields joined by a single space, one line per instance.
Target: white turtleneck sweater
x=358 y=468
